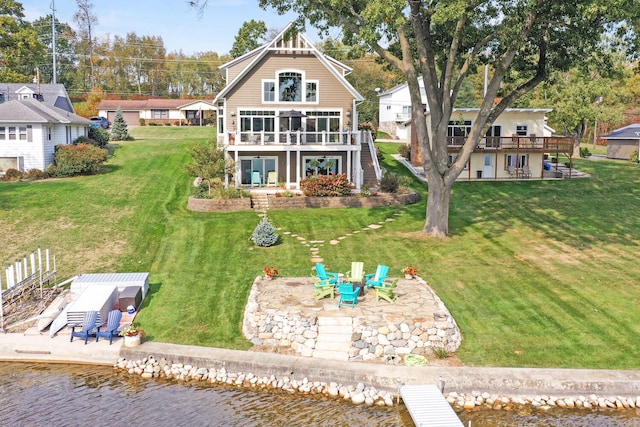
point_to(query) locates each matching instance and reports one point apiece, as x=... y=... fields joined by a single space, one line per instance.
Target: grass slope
x=535 y=273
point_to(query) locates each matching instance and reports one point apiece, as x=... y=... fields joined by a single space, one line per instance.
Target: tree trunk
x=437 y=224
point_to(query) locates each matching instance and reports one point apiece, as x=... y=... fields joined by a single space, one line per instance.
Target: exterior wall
x=621 y=148
x=508 y=120
x=476 y=163
x=391 y=112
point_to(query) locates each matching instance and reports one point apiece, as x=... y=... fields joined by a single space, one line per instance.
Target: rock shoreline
x=150 y=367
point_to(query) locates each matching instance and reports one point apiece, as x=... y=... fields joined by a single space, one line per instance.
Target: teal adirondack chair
x=324 y=275
x=87 y=327
x=356 y=274
x=348 y=294
x=377 y=278
x=110 y=327
x=256 y=179
x=385 y=291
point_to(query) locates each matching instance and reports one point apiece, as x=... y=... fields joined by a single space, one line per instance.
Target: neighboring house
x=514 y=147
x=623 y=142
x=30 y=130
x=52 y=95
x=160 y=111
x=394 y=105
x=287 y=112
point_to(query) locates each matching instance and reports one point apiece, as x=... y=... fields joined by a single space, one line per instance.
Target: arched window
x=290 y=87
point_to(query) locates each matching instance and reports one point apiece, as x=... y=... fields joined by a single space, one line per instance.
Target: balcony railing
x=294 y=138
x=513 y=143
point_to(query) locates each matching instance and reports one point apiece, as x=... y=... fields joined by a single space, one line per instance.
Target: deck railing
x=295 y=138
x=514 y=143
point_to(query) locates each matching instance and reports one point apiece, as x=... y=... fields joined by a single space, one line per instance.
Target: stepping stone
x=342 y=237
x=287 y=232
x=334 y=242
x=300 y=238
x=316 y=259
x=389 y=219
x=374 y=226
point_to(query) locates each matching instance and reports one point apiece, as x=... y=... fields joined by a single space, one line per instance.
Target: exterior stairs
x=259 y=201
x=334 y=338
x=369 y=177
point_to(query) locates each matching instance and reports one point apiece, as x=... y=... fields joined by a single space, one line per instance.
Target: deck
x=428 y=407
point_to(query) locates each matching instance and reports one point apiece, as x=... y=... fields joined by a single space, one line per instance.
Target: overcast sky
x=180 y=27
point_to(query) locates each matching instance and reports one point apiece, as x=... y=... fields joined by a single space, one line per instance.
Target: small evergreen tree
x=265 y=233
x=119 y=130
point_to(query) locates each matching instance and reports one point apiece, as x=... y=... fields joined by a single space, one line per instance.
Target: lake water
x=72 y=395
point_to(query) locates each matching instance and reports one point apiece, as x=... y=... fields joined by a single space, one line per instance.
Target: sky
x=180 y=27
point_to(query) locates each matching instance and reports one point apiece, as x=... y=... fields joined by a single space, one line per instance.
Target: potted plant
x=409 y=272
x=270 y=273
x=132 y=334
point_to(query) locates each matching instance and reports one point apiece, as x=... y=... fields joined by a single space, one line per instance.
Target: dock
x=428 y=407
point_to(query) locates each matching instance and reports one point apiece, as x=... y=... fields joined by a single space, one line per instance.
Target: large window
x=324 y=124
x=459 y=128
x=516 y=161
x=324 y=165
x=290 y=87
x=160 y=114
x=253 y=124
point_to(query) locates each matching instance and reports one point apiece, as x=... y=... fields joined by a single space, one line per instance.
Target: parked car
x=99 y=122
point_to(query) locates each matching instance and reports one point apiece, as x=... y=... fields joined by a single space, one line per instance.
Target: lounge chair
x=348 y=294
x=356 y=274
x=324 y=289
x=377 y=278
x=272 y=179
x=110 y=327
x=323 y=275
x=385 y=291
x=88 y=326
x=256 y=179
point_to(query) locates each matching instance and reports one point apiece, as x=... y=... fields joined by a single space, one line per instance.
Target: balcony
x=532 y=143
x=293 y=138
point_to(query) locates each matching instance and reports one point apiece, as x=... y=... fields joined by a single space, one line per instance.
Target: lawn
x=536 y=273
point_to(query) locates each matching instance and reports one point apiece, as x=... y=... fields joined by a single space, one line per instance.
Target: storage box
x=131 y=295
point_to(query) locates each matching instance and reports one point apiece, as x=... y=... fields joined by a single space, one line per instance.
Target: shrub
x=370 y=127
x=167 y=124
x=405 y=151
x=389 y=183
x=78 y=159
x=35 y=174
x=227 y=193
x=379 y=154
x=142 y=121
x=634 y=157
x=99 y=136
x=12 y=174
x=83 y=140
x=265 y=233
x=326 y=186
x=153 y=124
x=584 y=152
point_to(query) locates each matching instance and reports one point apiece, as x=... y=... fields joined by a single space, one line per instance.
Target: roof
x=146 y=104
x=257 y=54
x=32 y=111
x=54 y=95
x=627 y=132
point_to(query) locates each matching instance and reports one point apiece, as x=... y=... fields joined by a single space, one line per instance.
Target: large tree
x=20 y=49
x=86 y=20
x=444 y=41
x=250 y=37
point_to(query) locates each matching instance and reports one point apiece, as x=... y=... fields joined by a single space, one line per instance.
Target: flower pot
x=408 y=276
x=131 y=341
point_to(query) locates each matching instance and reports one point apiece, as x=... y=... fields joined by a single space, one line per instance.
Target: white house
x=30 y=130
x=395 y=110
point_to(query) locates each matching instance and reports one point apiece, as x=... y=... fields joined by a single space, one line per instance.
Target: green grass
x=535 y=273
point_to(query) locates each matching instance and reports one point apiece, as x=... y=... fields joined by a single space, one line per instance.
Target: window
x=516 y=161
x=522 y=130
x=325 y=123
x=253 y=123
x=290 y=87
x=160 y=114
x=459 y=128
x=3 y=131
x=12 y=132
x=312 y=91
x=49 y=133
x=324 y=165
x=269 y=91
x=453 y=157
x=22 y=133
x=1 y=98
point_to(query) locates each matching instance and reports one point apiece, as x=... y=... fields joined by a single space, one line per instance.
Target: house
x=52 y=95
x=30 y=129
x=514 y=147
x=288 y=111
x=394 y=110
x=159 y=111
x=623 y=142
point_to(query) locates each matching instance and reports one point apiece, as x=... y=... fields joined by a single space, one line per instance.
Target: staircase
x=334 y=338
x=369 y=174
x=259 y=201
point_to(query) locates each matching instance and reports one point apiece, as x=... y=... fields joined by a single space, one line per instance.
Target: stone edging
x=369 y=343
x=216 y=205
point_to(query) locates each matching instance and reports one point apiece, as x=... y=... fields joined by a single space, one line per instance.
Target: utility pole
x=53 y=39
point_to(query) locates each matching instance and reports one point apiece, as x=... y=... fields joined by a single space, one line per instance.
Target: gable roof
x=53 y=95
x=280 y=43
x=146 y=104
x=31 y=111
x=628 y=132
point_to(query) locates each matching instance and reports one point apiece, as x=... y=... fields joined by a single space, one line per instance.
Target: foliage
x=370 y=127
x=119 y=130
x=142 y=121
x=78 y=159
x=248 y=38
x=441 y=352
x=99 y=136
x=265 y=233
x=209 y=163
x=89 y=107
x=20 y=49
x=326 y=186
x=584 y=152
x=634 y=157
x=12 y=174
x=271 y=272
x=405 y=151
x=410 y=270
x=390 y=183
x=132 y=330
x=35 y=174
x=220 y=192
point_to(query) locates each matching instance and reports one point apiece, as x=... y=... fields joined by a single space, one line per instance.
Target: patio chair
x=356 y=274
x=348 y=294
x=256 y=179
x=272 y=179
x=377 y=278
x=385 y=291
x=324 y=275
x=110 y=327
x=526 y=172
x=87 y=327
x=324 y=289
